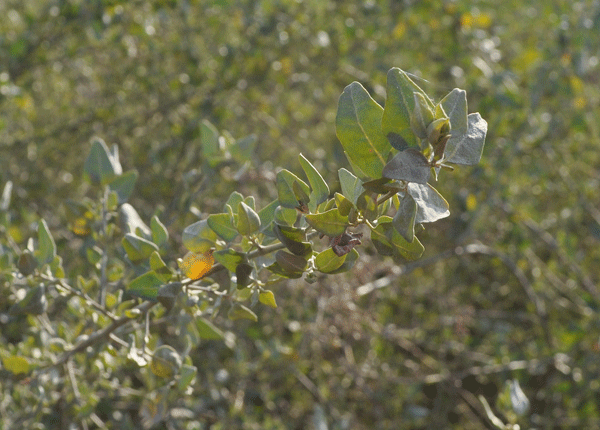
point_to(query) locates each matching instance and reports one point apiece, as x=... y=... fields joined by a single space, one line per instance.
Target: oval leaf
x=330 y=223
x=198 y=237
x=248 y=220
x=327 y=261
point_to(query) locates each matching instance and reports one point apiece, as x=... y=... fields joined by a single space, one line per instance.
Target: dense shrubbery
x=495 y=324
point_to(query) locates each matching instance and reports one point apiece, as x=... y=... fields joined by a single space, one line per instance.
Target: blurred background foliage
x=507 y=288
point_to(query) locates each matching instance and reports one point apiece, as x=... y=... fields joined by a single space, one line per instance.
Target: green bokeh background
x=415 y=354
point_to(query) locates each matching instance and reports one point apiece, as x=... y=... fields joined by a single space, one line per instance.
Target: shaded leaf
x=421 y=116
x=266 y=215
x=290 y=262
x=242 y=274
x=123 y=185
x=358 y=127
x=343 y=204
x=145 y=286
x=388 y=241
x=404 y=219
x=46 y=247
x=131 y=221
x=293 y=238
x=101 y=165
x=34 y=302
x=167 y=294
x=284 y=216
x=455 y=107
x=160 y=268
x=409 y=165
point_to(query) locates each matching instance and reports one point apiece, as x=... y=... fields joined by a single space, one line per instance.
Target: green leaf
x=209 y=137
x=239 y=311
x=16 y=364
x=326 y=261
x=123 y=185
x=455 y=106
x=291 y=263
x=243 y=149
x=350 y=184
x=388 y=241
x=285 y=190
x=187 y=374
x=293 y=238
x=46 y=247
x=267 y=297
x=221 y=224
x=320 y=190
x=160 y=234
x=160 y=268
x=285 y=216
x=266 y=215
x=145 y=286
x=431 y=205
x=409 y=165
x=242 y=275
x=198 y=237
x=131 y=221
x=248 y=220
x=230 y=258
x=101 y=165
x=234 y=200
x=301 y=197
x=207 y=330
x=167 y=294
x=343 y=204
x=358 y=127
x=421 y=117
x=404 y=220
x=399 y=105
x=330 y=223
x=467 y=148
x=137 y=249
x=278 y=270
x=348 y=264
x=34 y=302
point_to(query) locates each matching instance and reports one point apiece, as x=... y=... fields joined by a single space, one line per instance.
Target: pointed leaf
x=207 y=330
x=248 y=220
x=285 y=190
x=421 y=116
x=409 y=165
x=160 y=268
x=467 y=148
x=431 y=205
x=278 y=270
x=46 y=246
x=239 y=311
x=267 y=297
x=160 y=234
x=186 y=376
x=399 y=106
x=100 y=165
x=320 y=190
x=243 y=149
x=350 y=184
x=330 y=223
x=358 y=127
x=455 y=106
x=145 y=286
x=343 y=204
x=198 y=237
x=123 y=185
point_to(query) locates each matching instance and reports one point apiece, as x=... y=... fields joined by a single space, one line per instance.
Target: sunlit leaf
x=248 y=220
x=16 y=364
x=358 y=127
x=198 y=237
x=267 y=297
x=467 y=148
x=137 y=248
x=285 y=190
x=145 y=286
x=101 y=165
x=230 y=258
x=327 y=261
x=404 y=219
x=330 y=223
x=160 y=234
x=46 y=247
x=207 y=330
